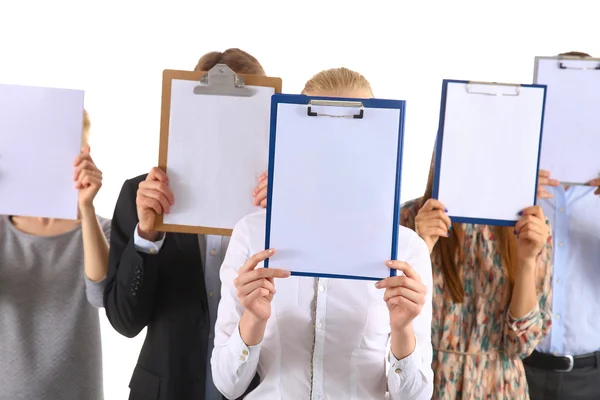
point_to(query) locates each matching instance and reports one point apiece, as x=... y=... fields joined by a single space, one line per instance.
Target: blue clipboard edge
x=400 y=105
x=438 y=155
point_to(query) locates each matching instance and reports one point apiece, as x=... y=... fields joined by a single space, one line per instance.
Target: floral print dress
x=478 y=345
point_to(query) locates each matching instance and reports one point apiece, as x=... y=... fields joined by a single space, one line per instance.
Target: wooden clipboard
x=196 y=76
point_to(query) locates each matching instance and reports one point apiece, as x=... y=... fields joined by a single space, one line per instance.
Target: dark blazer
x=165 y=293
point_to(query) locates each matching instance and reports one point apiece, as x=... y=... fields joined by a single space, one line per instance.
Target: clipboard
x=488 y=150
x=214 y=133
x=333 y=199
x=572 y=118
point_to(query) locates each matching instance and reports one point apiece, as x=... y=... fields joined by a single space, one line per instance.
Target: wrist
x=527 y=265
x=252 y=329
x=404 y=331
x=403 y=342
x=148 y=235
x=87 y=210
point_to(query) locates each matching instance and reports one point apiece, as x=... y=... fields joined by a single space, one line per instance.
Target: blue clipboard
x=357 y=113
x=440 y=140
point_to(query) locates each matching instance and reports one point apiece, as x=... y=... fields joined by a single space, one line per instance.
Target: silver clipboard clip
x=336 y=103
x=222 y=81
x=515 y=92
x=561 y=65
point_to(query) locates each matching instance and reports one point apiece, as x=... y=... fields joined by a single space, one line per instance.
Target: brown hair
x=448 y=250
x=238 y=60
x=336 y=80
x=574 y=54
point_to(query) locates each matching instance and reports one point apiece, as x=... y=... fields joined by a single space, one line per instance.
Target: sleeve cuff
x=523 y=323
x=408 y=364
x=240 y=352
x=95 y=291
x=146 y=246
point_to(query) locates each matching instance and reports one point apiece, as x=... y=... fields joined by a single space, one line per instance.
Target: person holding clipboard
x=566 y=364
x=52 y=276
x=257 y=325
x=499 y=277
x=174 y=361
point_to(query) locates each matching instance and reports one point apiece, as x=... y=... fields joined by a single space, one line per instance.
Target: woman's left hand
x=532 y=232
x=260 y=192
x=404 y=295
x=87 y=178
x=544 y=180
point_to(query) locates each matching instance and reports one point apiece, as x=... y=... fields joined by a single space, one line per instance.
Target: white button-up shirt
x=326 y=338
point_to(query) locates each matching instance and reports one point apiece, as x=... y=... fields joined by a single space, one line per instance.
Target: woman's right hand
x=153 y=198
x=432 y=222
x=255 y=287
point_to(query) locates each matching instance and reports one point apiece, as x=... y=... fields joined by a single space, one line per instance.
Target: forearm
x=410 y=375
x=95 y=246
x=403 y=342
x=524 y=295
x=252 y=330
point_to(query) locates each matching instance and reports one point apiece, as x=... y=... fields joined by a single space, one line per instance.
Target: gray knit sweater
x=49 y=328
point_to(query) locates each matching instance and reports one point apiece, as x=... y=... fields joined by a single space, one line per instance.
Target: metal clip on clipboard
x=563 y=66
x=222 y=81
x=336 y=103
x=516 y=88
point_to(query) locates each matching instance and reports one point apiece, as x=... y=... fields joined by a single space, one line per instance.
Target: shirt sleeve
x=412 y=377
x=146 y=246
x=233 y=363
x=94 y=291
x=524 y=334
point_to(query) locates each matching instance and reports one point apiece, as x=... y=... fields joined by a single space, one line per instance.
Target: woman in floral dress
x=491 y=299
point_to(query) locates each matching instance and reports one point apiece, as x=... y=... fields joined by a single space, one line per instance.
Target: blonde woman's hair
x=337 y=80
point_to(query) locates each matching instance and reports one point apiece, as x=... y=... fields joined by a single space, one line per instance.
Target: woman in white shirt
x=312 y=338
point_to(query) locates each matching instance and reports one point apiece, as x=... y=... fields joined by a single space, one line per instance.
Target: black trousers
x=577 y=384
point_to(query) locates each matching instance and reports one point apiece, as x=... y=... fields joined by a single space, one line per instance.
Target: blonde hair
x=337 y=80
x=86 y=127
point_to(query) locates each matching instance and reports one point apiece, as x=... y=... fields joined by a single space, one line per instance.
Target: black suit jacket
x=166 y=293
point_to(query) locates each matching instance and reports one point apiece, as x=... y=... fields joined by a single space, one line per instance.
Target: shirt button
x=213 y=252
x=152 y=251
x=555 y=353
x=321 y=288
x=397 y=370
x=242 y=358
x=560 y=244
x=557 y=280
x=319 y=324
x=562 y=209
x=557 y=316
x=317 y=360
x=209 y=294
x=245 y=352
x=317 y=396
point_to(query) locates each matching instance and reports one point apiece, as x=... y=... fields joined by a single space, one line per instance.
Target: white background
x=117 y=49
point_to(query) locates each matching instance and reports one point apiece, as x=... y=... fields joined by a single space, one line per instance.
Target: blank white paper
x=218 y=147
x=334 y=184
x=572 y=119
x=490 y=151
x=40 y=136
